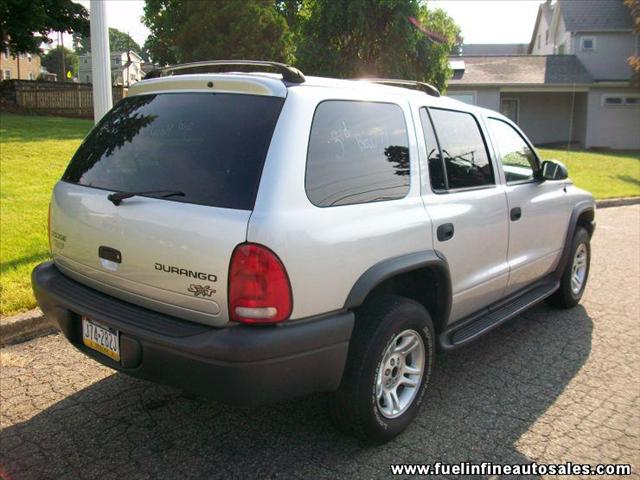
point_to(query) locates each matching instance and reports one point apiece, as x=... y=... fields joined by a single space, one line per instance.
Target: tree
x=192 y=30
x=634 y=60
x=24 y=26
x=118 y=42
x=51 y=60
x=376 y=38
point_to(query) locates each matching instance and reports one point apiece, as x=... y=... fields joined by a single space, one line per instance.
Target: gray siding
x=609 y=59
x=485 y=97
x=488 y=98
x=612 y=126
x=546 y=117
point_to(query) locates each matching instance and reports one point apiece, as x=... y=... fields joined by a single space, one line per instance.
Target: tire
x=383 y=324
x=568 y=295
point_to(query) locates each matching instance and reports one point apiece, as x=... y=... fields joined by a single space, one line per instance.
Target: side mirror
x=554 y=170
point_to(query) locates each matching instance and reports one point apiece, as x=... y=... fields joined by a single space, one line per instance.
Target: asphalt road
x=551 y=386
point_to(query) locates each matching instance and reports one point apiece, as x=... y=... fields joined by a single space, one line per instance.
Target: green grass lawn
x=35 y=150
x=605 y=174
x=33 y=154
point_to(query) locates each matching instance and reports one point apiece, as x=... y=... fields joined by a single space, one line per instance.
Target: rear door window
x=211 y=146
x=358 y=153
x=466 y=159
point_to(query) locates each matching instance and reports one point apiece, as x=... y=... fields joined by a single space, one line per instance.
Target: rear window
x=211 y=146
x=358 y=153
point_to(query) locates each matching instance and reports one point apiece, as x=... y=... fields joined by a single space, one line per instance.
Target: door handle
x=516 y=213
x=445 y=232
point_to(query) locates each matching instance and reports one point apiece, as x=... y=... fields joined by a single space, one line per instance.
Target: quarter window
x=465 y=154
x=518 y=160
x=358 y=153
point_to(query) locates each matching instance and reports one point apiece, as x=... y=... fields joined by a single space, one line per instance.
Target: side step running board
x=478 y=324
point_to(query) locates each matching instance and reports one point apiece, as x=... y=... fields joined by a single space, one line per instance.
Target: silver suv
x=260 y=236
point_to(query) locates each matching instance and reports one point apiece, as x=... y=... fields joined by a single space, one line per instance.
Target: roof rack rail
x=425 y=87
x=289 y=74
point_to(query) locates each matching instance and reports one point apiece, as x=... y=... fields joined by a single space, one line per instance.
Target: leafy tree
x=192 y=30
x=361 y=38
x=52 y=61
x=634 y=60
x=118 y=42
x=25 y=25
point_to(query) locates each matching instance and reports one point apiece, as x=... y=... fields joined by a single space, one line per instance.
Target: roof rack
x=289 y=74
x=425 y=87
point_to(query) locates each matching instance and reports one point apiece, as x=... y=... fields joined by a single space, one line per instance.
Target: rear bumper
x=239 y=364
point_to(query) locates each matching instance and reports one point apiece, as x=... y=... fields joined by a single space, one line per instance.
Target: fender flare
x=579 y=209
x=391 y=267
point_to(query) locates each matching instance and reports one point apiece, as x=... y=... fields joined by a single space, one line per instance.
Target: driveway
x=551 y=386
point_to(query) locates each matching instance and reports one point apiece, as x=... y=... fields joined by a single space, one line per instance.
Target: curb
x=617 y=202
x=24 y=326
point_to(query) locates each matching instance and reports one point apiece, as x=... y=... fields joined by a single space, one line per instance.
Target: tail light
x=259 y=289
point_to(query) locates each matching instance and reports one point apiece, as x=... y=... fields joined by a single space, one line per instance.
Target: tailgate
x=173 y=257
x=190 y=164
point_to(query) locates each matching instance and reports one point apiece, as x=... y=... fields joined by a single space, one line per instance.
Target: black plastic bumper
x=239 y=364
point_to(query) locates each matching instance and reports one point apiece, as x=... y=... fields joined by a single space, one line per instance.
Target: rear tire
x=576 y=272
x=393 y=340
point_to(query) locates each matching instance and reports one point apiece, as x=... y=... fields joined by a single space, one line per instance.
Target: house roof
x=595 y=15
x=494 y=48
x=521 y=70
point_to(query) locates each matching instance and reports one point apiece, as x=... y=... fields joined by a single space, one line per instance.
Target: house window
x=588 y=44
x=466 y=97
x=621 y=100
x=546 y=37
x=31 y=76
x=6 y=54
x=561 y=49
x=87 y=79
x=613 y=100
x=85 y=61
x=510 y=108
x=29 y=58
x=7 y=74
x=538 y=41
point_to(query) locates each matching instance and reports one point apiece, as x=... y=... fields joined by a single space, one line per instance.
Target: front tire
x=388 y=369
x=575 y=275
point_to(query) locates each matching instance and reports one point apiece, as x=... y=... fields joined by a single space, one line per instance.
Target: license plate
x=101 y=338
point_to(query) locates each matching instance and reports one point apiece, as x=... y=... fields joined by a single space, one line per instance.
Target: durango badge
x=185 y=272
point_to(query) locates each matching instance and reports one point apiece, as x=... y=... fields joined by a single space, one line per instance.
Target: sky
x=494 y=21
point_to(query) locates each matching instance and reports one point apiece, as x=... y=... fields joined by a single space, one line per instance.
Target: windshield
x=211 y=146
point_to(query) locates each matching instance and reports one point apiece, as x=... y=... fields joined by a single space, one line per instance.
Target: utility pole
x=64 y=69
x=100 y=59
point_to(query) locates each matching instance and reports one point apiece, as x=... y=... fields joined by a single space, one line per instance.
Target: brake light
x=259 y=289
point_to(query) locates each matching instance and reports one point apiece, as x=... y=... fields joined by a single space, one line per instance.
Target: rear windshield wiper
x=116 y=198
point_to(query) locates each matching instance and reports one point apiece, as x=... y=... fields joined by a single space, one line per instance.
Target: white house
x=572 y=83
x=125 y=68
